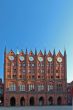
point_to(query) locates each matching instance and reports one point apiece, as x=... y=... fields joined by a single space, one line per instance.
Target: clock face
x=11 y=58
x=59 y=59
x=40 y=59
x=49 y=59
x=31 y=58
x=21 y=58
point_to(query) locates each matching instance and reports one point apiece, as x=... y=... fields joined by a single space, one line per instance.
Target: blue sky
x=37 y=24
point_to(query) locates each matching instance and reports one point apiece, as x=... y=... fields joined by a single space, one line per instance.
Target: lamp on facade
x=0 y=101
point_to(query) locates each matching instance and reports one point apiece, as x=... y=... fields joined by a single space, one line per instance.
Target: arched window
x=12 y=87
x=31 y=87
x=21 y=87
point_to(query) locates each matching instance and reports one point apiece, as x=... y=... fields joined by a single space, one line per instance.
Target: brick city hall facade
x=35 y=78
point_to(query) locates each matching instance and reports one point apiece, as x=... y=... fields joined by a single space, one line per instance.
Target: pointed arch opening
x=31 y=101
x=50 y=101
x=22 y=101
x=12 y=101
x=59 y=100
x=41 y=101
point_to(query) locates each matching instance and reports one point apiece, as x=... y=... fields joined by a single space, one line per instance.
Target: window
x=14 y=70
x=21 y=87
x=8 y=76
x=38 y=76
x=42 y=64
x=42 y=71
x=33 y=77
x=19 y=64
x=39 y=64
x=14 y=76
x=23 y=64
x=50 y=87
x=48 y=70
x=8 y=64
x=57 y=71
x=51 y=77
x=57 y=76
x=8 y=70
x=32 y=71
x=12 y=87
x=29 y=71
x=29 y=64
x=23 y=71
x=40 y=87
x=33 y=65
x=31 y=87
x=12 y=64
x=59 y=87
x=20 y=76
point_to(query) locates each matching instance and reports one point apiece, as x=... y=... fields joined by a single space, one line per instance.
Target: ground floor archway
x=12 y=101
x=41 y=101
x=22 y=101
x=59 y=100
x=50 y=101
x=31 y=101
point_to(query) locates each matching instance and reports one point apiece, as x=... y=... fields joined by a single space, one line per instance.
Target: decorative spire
x=40 y=51
x=5 y=51
x=26 y=51
x=54 y=52
x=35 y=51
x=11 y=50
x=64 y=52
x=31 y=51
x=22 y=51
x=17 y=51
x=44 y=51
x=49 y=51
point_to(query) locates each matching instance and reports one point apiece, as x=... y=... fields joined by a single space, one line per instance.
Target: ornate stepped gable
x=36 y=78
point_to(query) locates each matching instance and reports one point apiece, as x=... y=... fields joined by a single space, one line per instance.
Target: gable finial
x=44 y=51
x=54 y=52
x=5 y=50
x=35 y=51
x=26 y=51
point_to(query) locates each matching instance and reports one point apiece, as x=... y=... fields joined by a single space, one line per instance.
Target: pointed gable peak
x=49 y=53
x=59 y=54
x=31 y=53
x=40 y=53
x=22 y=52
x=11 y=52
